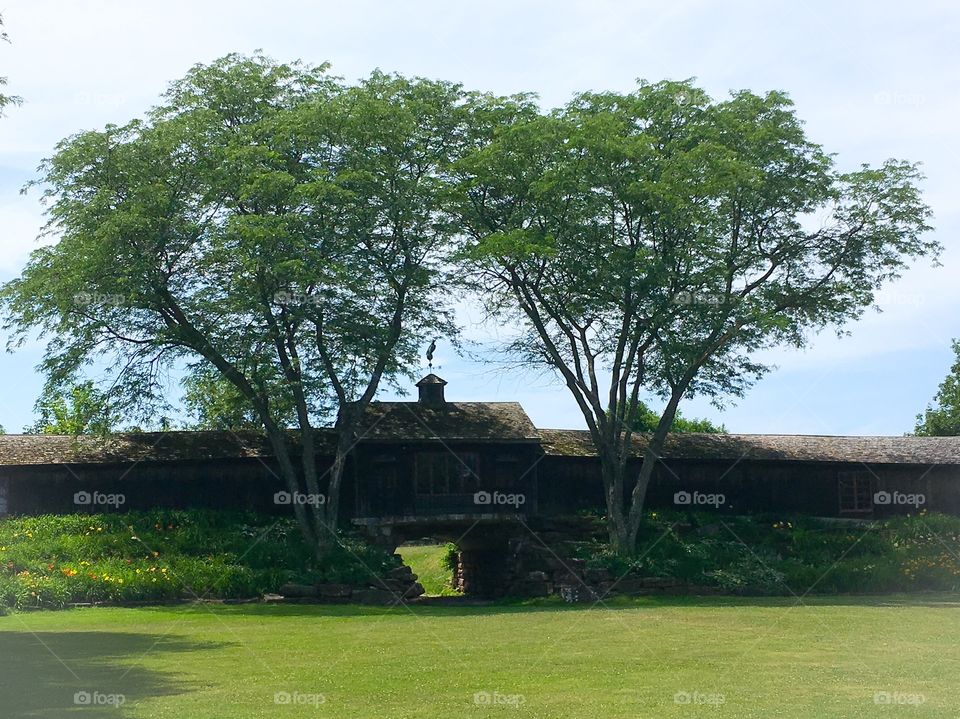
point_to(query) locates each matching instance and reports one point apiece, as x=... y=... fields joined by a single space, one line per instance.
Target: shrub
x=52 y=561
x=776 y=555
x=449 y=559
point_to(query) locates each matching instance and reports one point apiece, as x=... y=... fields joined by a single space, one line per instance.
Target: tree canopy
x=275 y=231
x=657 y=240
x=81 y=409
x=942 y=418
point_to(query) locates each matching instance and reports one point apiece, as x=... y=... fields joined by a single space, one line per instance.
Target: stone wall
x=538 y=565
x=399 y=585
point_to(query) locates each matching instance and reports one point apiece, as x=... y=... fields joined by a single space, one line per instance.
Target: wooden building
x=458 y=460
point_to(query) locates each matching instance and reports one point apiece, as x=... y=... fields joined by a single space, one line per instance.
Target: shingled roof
x=31 y=449
x=477 y=422
x=384 y=421
x=454 y=421
x=797 y=448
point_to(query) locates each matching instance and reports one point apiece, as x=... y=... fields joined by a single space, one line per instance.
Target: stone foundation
x=399 y=584
x=539 y=566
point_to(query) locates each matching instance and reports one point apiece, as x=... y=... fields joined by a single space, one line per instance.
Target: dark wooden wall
x=572 y=484
x=239 y=484
x=385 y=477
x=552 y=485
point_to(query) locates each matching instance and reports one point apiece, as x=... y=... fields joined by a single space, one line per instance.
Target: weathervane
x=430 y=350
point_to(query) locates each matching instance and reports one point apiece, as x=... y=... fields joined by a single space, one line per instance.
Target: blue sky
x=872 y=80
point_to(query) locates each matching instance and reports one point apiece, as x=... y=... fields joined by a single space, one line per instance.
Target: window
x=506 y=471
x=856 y=492
x=3 y=498
x=384 y=474
x=447 y=473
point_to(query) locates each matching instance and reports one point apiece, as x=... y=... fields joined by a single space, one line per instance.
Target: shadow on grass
x=451 y=607
x=64 y=674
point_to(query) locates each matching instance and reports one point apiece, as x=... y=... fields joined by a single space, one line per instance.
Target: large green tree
x=658 y=240
x=942 y=419
x=269 y=228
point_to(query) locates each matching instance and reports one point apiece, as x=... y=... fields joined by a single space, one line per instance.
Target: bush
x=776 y=555
x=53 y=561
x=449 y=559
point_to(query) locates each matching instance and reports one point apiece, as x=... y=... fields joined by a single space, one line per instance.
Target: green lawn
x=426 y=560
x=766 y=657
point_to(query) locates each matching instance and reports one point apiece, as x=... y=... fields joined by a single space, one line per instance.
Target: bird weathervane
x=430 y=350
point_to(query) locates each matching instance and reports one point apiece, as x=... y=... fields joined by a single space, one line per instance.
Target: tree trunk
x=625 y=516
x=613 y=477
x=288 y=472
x=346 y=431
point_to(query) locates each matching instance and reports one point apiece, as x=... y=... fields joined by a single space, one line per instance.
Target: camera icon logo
x=882 y=497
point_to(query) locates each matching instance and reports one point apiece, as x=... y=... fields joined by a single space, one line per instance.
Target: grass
x=767 y=657
x=427 y=562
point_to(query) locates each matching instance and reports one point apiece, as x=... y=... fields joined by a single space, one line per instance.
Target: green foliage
x=281 y=234
x=217 y=404
x=655 y=241
x=50 y=561
x=647 y=420
x=777 y=556
x=450 y=555
x=80 y=409
x=943 y=419
x=6 y=99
